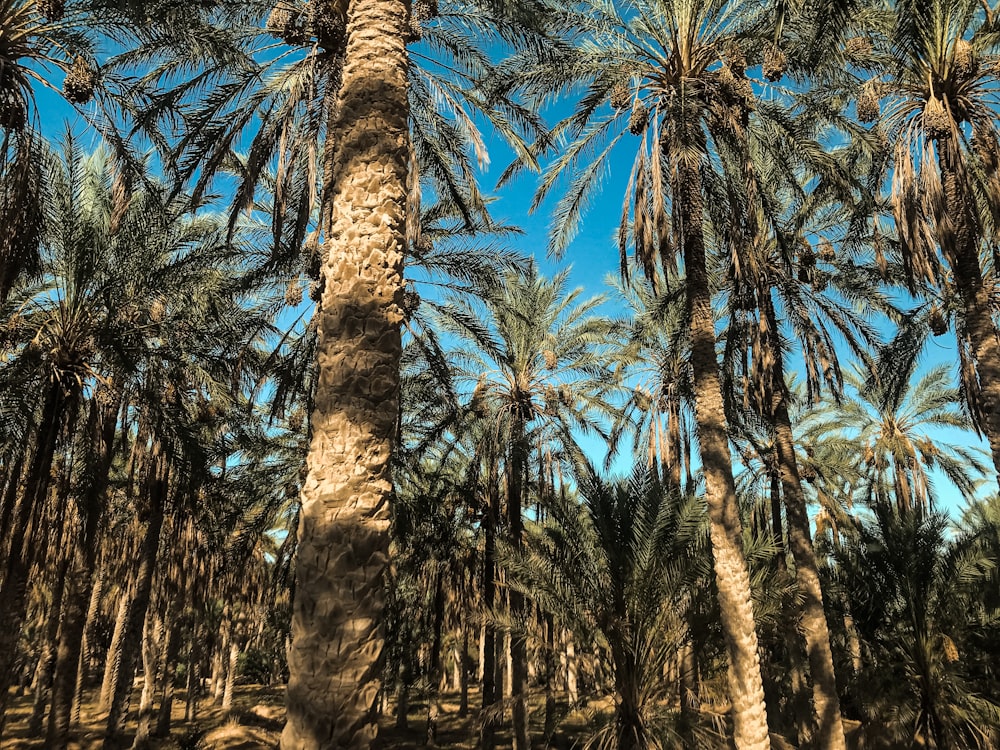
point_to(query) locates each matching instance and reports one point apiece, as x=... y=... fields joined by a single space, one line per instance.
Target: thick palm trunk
x=343 y=529
x=826 y=702
x=732 y=578
x=58 y=413
x=961 y=246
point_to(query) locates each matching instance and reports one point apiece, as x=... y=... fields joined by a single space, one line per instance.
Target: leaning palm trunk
x=343 y=527
x=826 y=702
x=58 y=415
x=138 y=605
x=960 y=244
x=732 y=579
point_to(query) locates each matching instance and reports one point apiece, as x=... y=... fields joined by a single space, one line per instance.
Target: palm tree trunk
x=826 y=702
x=82 y=596
x=732 y=578
x=139 y=602
x=344 y=526
x=113 y=659
x=58 y=414
x=961 y=246
x=518 y=640
x=491 y=519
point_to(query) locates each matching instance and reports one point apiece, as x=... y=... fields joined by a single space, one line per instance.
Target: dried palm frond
x=937 y=123
x=78 y=87
x=965 y=62
x=477 y=404
x=637 y=119
x=950 y=649
x=869 y=109
x=293 y=294
x=775 y=63
x=551 y=361
x=858 y=46
x=620 y=95
x=52 y=10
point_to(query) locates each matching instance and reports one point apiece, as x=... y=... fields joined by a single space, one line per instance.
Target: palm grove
x=283 y=402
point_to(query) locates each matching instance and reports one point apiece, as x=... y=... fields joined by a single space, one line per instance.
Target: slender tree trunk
x=58 y=414
x=81 y=592
x=518 y=611
x=114 y=656
x=826 y=702
x=487 y=739
x=572 y=691
x=337 y=613
x=961 y=247
x=171 y=651
x=151 y=642
x=732 y=578
x=139 y=604
x=232 y=659
x=10 y=500
x=86 y=672
x=463 y=674
x=47 y=661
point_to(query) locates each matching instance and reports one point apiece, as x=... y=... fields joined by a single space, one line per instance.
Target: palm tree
x=939 y=82
x=618 y=571
x=675 y=74
x=889 y=426
x=534 y=352
x=908 y=581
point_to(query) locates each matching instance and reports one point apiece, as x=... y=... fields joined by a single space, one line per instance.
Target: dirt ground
x=256 y=721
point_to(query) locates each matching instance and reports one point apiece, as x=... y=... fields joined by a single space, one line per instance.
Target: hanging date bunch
x=422 y=12
x=288 y=24
x=81 y=80
x=52 y=10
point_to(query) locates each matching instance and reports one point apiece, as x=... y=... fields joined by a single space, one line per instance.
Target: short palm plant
x=618 y=571
x=908 y=580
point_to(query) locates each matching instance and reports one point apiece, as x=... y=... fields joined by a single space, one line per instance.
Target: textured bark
x=732 y=578
x=343 y=528
x=826 y=702
x=171 y=652
x=58 y=414
x=487 y=738
x=82 y=596
x=463 y=673
x=139 y=602
x=960 y=244
x=114 y=656
x=232 y=659
x=152 y=634
x=515 y=531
